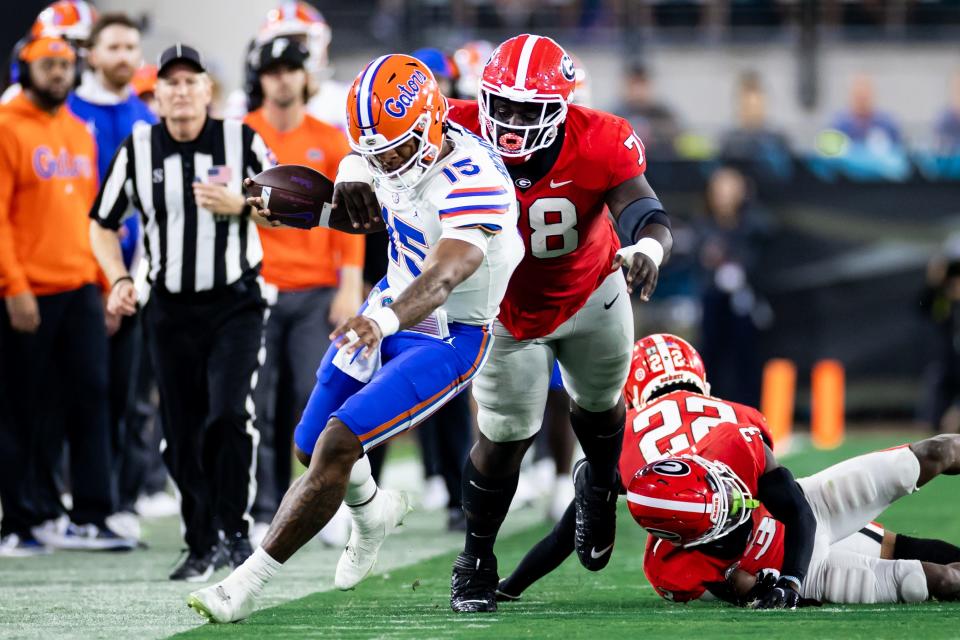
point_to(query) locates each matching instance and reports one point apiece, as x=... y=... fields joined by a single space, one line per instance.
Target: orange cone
x=827 y=404
x=776 y=403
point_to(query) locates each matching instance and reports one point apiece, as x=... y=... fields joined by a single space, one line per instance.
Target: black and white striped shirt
x=188 y=248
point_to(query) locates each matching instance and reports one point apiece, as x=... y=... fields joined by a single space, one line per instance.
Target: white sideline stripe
x=673 y=505
x=521 y=80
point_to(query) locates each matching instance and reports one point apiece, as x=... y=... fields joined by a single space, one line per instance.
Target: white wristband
x=353 y=168
x=647 y=246
x=387 y=320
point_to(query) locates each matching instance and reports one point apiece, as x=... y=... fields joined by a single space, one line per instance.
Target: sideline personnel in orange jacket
x=54 y=346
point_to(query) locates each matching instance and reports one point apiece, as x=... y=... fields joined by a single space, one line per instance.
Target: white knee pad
x=910 y=580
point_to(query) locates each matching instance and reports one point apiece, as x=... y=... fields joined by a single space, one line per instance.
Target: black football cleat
x=473 y=585
x=238 y=549
x=596 y=518
x=198 y=566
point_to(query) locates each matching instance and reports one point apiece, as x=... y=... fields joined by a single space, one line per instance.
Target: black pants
x=205 y=350
x=54 y=386
x=296 y=340
x=136 y=443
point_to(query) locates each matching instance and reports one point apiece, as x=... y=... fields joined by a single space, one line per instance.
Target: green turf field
x=121 y=596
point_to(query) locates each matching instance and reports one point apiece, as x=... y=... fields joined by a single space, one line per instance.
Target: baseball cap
x=282 y=50
x=47 y=47
x=179 y=53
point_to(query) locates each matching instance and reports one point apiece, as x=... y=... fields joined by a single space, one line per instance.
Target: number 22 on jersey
x=673 y=435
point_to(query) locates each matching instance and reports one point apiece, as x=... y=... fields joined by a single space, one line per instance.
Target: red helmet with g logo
x=529 y=69
x=659 y=360
x=688 y=500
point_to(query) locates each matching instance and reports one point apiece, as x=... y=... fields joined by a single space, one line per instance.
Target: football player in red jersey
x=670 y=410
x=568 y=300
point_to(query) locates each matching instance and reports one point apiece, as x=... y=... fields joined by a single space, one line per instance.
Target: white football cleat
x=226 y=601
x=371 y=524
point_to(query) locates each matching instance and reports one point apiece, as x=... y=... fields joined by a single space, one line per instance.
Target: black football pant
x=205 y=350
x=139 y=469
x=296 y=339
x=54 y=391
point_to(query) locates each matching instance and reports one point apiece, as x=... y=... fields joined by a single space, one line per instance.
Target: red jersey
x=569 y=238
x=674 y=422
x=683 y=574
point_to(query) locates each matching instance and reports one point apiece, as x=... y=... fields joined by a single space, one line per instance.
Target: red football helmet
x=531 y=69
x=688 y=500
x=659 y=360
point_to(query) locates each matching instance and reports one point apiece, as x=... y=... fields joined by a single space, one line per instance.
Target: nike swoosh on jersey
x=607 y=305
x=557 y=185
x=594 y=554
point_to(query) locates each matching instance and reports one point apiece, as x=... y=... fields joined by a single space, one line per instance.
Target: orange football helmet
x=301 y=21
x=396 y=99
x=659 y=360
x=71 y=20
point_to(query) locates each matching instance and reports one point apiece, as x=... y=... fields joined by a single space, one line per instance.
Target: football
x=294 y=194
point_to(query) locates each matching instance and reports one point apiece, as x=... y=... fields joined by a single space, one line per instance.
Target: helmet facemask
x=732 y=503
x=515 y=140
x=412 y=171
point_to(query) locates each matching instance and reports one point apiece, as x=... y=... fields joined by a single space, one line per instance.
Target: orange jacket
x=48 y=181
x=292 y=258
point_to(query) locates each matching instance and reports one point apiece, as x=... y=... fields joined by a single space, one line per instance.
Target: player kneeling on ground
x=722 y=512
x=424 y=332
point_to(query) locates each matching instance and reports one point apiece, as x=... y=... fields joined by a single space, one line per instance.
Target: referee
x=205 y=315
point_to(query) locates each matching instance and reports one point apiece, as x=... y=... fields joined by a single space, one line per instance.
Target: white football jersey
x=469 y=189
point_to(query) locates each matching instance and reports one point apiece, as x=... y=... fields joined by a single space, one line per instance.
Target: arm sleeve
x=113 y=202
x=628 y=158
x=13 y=279
x=784 y=499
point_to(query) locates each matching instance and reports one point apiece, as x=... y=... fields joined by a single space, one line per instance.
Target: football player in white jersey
x=448 y=206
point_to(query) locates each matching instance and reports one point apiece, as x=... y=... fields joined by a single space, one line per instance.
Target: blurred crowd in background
x=732 y=194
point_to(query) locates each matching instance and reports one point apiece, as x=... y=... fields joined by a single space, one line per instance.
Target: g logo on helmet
x=567 y=69
x=671 y=467
x=397 y=107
